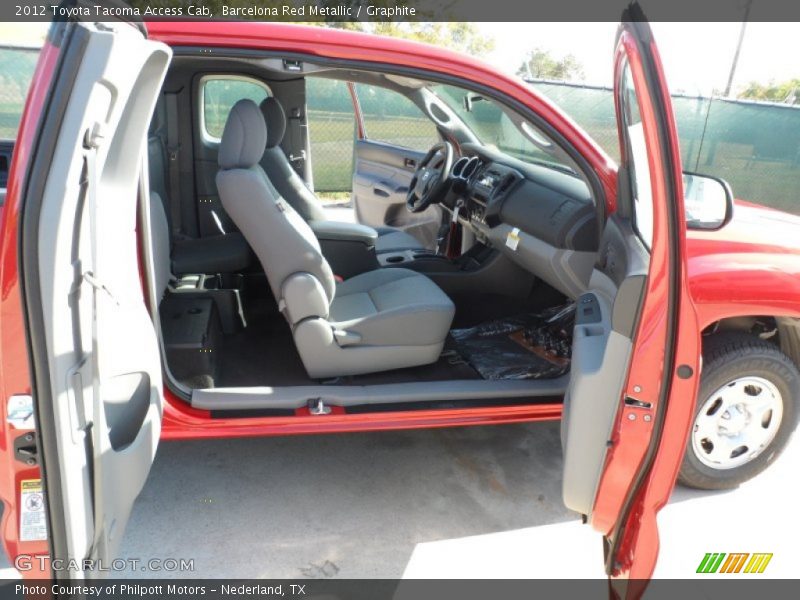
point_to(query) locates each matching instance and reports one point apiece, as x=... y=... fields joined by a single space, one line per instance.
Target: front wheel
x=747 y=409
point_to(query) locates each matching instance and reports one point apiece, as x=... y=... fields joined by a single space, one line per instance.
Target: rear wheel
x=746 y=411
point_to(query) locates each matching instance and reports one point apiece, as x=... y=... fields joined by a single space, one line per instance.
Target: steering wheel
x=432 y=178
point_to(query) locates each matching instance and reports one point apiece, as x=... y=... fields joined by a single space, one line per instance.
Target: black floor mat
x=529 y=346
x=262 y=354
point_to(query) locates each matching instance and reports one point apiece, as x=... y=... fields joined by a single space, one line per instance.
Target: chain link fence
x=754 y=146
x=16 y=73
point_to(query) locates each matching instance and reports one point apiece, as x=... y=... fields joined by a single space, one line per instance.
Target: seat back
x=279 y=170
x=298 y=274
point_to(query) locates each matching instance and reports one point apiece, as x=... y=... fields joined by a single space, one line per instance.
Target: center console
x=480 y=268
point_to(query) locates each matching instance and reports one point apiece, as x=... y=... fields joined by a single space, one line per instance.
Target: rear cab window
x=218 y=94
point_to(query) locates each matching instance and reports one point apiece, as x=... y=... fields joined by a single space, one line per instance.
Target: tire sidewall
x=758 y=362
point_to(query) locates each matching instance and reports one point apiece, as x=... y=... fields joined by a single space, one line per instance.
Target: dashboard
x=542 y=218
x=542 y=202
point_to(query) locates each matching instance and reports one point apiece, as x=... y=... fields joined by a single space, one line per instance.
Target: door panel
x=625 y=410
x=99 y=372
x=602 y=346
x=381 y=178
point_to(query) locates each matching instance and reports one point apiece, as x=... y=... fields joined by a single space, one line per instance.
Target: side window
x=219 y=93
x=638 y=159
x=331 y=129
x=15 y=79
x=392 y=118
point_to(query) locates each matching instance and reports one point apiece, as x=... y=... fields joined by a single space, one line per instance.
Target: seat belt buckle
x=172 y=152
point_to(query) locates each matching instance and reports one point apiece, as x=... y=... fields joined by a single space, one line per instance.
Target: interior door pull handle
x=379 y=191
x=410 y=162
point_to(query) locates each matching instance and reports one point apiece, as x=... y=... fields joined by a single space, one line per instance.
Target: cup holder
x=395 y=259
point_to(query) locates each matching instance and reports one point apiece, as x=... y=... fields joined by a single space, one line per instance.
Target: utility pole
x=747 y=6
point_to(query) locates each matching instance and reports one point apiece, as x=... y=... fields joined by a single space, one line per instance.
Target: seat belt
x=173 y=153
x=297 y=156
x=92 y=140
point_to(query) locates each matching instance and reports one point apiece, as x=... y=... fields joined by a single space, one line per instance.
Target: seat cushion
x=392 y=307
x=228 y=253
x=392 y=240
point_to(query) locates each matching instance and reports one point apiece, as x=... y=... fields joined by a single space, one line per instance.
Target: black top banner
x=401 y=10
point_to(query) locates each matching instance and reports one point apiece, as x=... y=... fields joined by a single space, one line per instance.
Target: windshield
x=494 y=128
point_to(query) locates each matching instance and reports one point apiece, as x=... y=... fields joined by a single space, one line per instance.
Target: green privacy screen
x=754 y=146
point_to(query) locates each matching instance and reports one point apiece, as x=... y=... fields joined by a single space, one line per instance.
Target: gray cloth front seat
x=376 y=321
x=294 y=190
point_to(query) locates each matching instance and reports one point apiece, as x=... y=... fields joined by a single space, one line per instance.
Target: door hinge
x=25 y=449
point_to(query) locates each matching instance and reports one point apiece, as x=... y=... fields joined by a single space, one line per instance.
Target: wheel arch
x=783 y=331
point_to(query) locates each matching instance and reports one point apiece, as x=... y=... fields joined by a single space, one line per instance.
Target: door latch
x=20 y=412
x=25 y=449
x=317 y=407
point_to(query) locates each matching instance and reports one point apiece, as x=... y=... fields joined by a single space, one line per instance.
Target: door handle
x=381 y=189
x=410 y=163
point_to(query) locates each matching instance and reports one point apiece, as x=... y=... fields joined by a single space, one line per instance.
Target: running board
x=291 y=397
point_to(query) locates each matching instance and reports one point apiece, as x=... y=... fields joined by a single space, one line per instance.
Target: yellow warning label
x=31 y=485
x=32 y=521
x=512 y=239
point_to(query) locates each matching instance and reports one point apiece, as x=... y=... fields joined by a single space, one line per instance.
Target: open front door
x=96 y=369
x=636 y=340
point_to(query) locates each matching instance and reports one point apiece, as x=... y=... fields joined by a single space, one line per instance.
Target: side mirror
x=708 y=202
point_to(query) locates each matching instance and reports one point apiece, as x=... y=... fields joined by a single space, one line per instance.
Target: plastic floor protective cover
x=528 y=346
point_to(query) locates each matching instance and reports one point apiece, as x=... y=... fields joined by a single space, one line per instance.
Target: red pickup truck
x=169 y=273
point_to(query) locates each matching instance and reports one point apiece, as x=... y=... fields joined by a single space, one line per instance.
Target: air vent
x=471 y=168
x=458 y=168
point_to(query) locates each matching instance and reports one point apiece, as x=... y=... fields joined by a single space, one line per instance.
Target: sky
x=697 y=56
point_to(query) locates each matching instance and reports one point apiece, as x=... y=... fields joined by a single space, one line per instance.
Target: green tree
x=541 y=64
x=786 y=91
x=462 y=37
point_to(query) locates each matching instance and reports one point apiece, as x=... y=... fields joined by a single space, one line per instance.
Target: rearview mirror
x=470 y=99
x=708 y=202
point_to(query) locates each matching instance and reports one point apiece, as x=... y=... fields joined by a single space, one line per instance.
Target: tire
x=737 y=365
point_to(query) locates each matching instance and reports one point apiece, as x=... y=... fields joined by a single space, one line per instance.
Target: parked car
x=168 y=276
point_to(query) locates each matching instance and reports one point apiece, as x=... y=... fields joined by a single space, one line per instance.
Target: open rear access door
x=94 y=351
x=636 y=340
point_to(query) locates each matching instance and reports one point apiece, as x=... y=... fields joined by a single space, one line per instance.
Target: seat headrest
x=275 y=117
x=244 y=137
